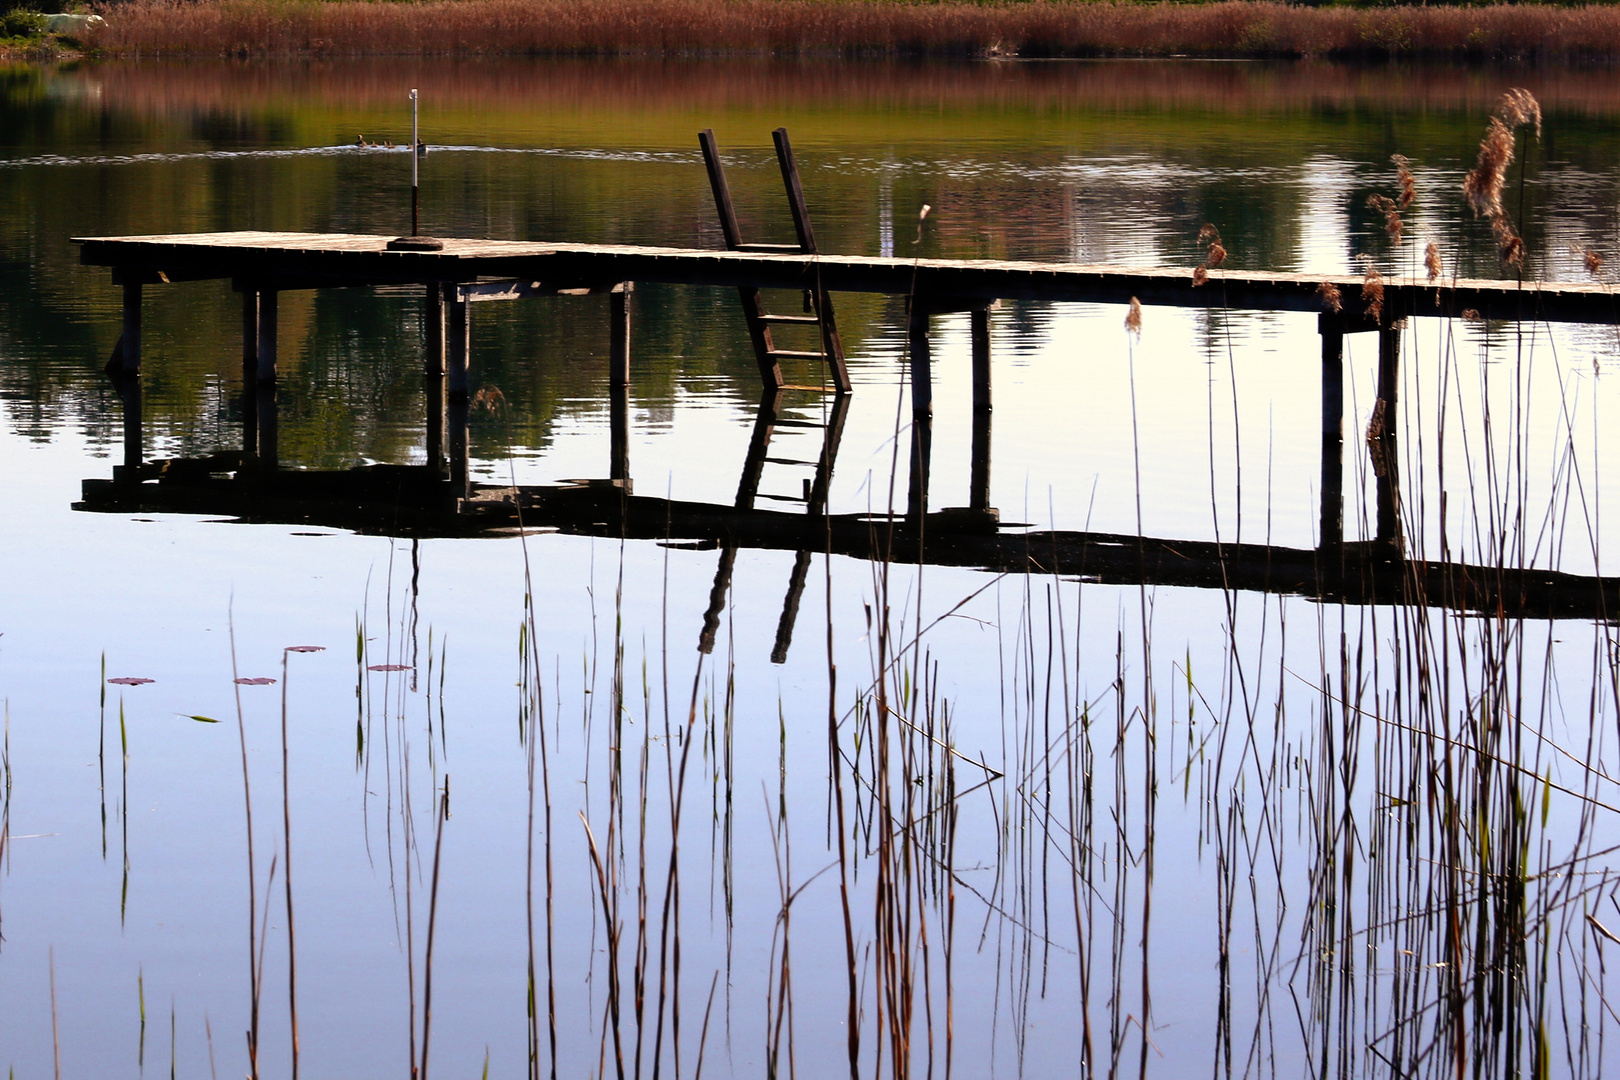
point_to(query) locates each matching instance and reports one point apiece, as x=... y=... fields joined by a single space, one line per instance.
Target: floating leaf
x=389 y=667
x=202 y=719
x=306 y=648
x=257 y=680
x=129 y=680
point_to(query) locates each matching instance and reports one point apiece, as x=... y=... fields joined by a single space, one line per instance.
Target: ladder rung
x=793 y=461
x=809 y=389
x=799 y=423
x=805 y=320
x=783 y=498
x=771 y=249
x=795 y=354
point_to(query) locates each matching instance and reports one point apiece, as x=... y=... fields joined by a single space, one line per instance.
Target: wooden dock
x=457 y=273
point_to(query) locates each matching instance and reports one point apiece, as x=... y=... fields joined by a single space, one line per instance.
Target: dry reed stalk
x=255 y=971
x=443 y=807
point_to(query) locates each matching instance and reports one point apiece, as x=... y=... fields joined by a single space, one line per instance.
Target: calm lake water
x=1059 y=827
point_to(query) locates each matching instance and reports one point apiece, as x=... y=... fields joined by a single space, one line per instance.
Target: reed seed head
x=1372 y=291
x=1403 y=176
x=1208 y=234
x=1519 y=107
x=1217 y=255
x=1200 y=275
x=1393 y=225
x=1133 y=318
x=1593 y=261
x=1509 y=245
x=1431 y=260
x=1472 y=315
x=1482 y=187
x=1331 y=299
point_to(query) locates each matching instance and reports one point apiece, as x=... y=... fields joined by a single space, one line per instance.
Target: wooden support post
x=129 y=392
x=434 y=393
x=457 y=411
x=981 y=359
x=458 y=344
x=1332 y=514
x=922 y=381
x=250 y=372
x=267 y=340
x=1382 y=441
x=131 y=339
x=433 y=330
x=269 y=446
x=619 y=335
x=922 y=440
x=619 y=409
x=979 y=487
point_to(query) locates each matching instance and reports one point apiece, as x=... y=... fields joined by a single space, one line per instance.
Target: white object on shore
x=64 y=23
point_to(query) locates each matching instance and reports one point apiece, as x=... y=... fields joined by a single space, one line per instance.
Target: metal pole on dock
x=416 y=185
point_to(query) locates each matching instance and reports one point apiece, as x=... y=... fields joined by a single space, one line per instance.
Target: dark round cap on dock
x=416 y=243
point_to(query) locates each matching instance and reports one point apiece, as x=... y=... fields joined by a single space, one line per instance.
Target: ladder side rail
x=722 y=190
x=795 y=191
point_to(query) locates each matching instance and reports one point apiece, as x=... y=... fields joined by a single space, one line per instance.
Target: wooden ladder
x=818 y=305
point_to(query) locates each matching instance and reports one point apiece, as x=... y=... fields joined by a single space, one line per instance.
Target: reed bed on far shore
x=248 y=28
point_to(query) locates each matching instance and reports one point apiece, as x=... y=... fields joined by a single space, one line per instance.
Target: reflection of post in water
x=1381 y=441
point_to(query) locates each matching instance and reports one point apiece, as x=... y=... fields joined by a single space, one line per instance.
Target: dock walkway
x=455 y=273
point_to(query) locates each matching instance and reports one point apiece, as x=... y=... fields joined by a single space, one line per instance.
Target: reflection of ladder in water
x=814 y=497
x=818 y=306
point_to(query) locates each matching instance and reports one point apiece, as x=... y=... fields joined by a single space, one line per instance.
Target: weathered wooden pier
x=455 y=274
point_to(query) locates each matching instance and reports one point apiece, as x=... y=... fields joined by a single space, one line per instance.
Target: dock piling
x=922 y=447
x=458 y=343
x=267 y=340
x=433 y=329
x=619 y=420
x=981 y=359
x=250 y=372
x=1332 y=494
x=619 y=334
x=979 y=484
x=131 y=339
x=1381 y=437
x=922 y=376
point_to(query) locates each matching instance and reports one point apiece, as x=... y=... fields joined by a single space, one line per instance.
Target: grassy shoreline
x=1028 y=29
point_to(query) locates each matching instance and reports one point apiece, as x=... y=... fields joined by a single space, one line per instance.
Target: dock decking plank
x=364 y=259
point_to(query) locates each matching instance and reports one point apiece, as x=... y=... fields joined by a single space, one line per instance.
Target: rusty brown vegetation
x=852 y=27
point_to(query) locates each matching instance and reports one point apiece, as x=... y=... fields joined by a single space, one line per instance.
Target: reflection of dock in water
x=424 y=501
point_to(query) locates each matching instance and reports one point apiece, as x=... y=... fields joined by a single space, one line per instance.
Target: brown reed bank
x=661 y=87
x=852 y=28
